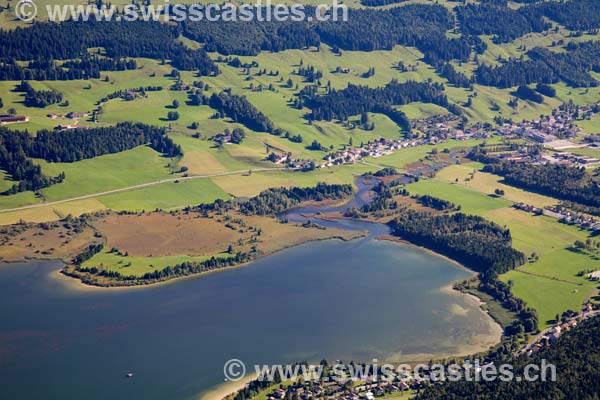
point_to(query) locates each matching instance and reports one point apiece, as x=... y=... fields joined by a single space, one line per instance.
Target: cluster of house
x=521 y=156
x=377 y=148
x=571 y=159
x=544 y=130
x=528 y=208
x=559 y=158
x=6 y=119
x=567 y=217
x=552 y=334
x=74 y=115
x=130 y=95
x=563 y=215
x=439 y=128
x=334 y=390
x=222 y=138
x=286 y=158
x=304 y=164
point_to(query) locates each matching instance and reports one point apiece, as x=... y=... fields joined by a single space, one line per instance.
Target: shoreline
x=226 y=389
x=450 y=287
x=77 y=284
x=392 y=238
x=477 y=343
x=482 y=342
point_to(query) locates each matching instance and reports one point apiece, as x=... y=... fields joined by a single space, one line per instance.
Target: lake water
x=356 y=300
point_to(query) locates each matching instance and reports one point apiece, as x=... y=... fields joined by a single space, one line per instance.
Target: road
x=584 y=315
x=143 y=185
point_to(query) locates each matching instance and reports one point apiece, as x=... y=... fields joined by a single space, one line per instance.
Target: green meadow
x=165 y=196
x=549 y=284
x=202 y=157
x=137 y=266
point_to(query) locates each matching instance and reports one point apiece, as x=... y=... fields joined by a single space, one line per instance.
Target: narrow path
x=143 y=185
x=548 y=277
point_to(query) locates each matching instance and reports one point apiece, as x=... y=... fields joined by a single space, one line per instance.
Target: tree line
x=239 y=109
x=356 y=100
x=576 y=356
x=42 y=70
x=18 y=147
x=560 y=181
x=38 y=98
x=496 y=18
x=419 y=25
x=276 y=200
x=504 y=23
x=545 y=66
x=477 y=243
x=72 y=39
x=93 y=275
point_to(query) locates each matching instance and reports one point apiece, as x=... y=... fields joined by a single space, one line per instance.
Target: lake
x=356 y=300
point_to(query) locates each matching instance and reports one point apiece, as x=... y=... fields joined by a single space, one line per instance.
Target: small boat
x=129 y=375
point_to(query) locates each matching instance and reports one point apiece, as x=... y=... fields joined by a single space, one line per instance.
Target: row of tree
x=42 y=70
x=239 y=109
x=72 y=39
x=575 y=356
x=357 y=100
x=93 y=275
x=38 y=98
x=560 y=181
x=276 y=200
x=18 y=147
x=545 y=66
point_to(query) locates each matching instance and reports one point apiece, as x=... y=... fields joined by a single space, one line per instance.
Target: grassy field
x=202 y=157
x=550 y=284
x=112 y=171
x=470 y=176
x=138 y=266
x=470 y=200
x=141 y=243
x=165 y=196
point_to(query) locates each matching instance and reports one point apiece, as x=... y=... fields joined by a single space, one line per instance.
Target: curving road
x=143 y=185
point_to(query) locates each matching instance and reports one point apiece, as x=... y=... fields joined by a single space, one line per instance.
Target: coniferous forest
x=356 y=100
x=561 y=181
x=17 y=147
x=576 y=356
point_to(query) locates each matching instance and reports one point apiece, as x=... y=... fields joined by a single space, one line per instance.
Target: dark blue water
x=356 y=300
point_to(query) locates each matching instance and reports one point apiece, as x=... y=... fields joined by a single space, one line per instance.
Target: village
x=570 y=320
x=564 y=215
x=552 y=132
x=336 y=388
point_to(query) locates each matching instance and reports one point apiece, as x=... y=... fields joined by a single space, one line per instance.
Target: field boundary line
x=143 y=185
